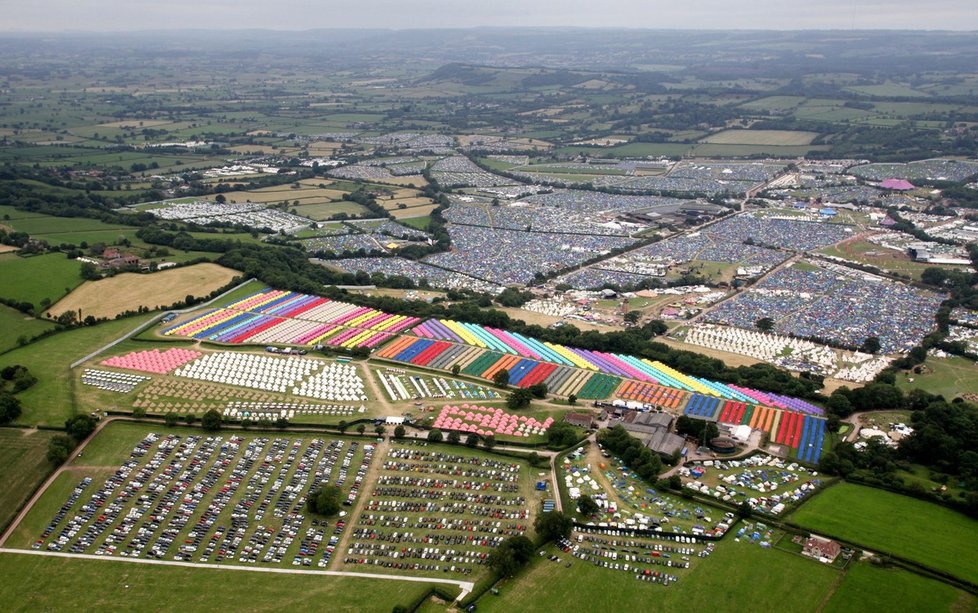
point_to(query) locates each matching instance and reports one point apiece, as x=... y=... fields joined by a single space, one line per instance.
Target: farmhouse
x=581 y=420
x=823 y=550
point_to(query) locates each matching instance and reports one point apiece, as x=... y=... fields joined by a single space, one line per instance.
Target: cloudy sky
x=115 y=15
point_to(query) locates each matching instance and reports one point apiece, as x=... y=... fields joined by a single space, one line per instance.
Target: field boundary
x=465 y=586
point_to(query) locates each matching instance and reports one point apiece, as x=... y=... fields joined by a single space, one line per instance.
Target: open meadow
x=35 y=278
x=890 y=523
x=22 y=454
x=50 y=401
x=34 y=583
x=736 y=577
x=871 y=588
x=950 y=377
x=14 y=325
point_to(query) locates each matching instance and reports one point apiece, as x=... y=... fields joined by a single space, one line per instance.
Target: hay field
x=781 y=138
x=415 y=211
x=127 y=291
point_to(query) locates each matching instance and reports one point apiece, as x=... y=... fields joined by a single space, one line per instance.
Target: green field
x=50 y=401
x=871 y=588
x=48 y=584
x=22 y=454
x=890 y=523
x=35 y=278
x=949 y=377
x=14 y=325
x=736 y=577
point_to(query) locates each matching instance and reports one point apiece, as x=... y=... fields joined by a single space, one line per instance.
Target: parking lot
x=439 y=510
x=205 y=498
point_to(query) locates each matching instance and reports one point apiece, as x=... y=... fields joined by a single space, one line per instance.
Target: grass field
x=760 y=137
x=891 y=523
x=949 y=377
x=14 y=325
x=737 y=577
x=38 y=277
x=128 y=291
x=325 y=210
x=871 y=588
x=22 y=454
x=49 y=401
x=47 y=584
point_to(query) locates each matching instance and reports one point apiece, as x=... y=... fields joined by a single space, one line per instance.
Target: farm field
x=34 y=583
x=736 y=577
x=128 y=291
x=35 y=278
x=49 y=401
x=14 y=325
x=890 y=523
x=882 y=589
x=949 y=377
x=22 y=454
x=760 y=137
x=326 y=210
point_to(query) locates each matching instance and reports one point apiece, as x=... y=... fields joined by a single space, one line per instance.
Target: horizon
x=115 y=16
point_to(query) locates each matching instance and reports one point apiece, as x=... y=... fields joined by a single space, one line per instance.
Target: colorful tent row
x=629 y=367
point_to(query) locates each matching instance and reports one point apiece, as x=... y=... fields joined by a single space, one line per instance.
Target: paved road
x=465 y=586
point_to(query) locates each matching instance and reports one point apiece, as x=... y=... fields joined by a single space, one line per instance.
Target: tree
x=535 y=459
x=561 y=434
x=281 y=423
x=472 y=439
x=632 y=317
x=587 y=505
x=511 y=555
x=435 y=436
x=80 y=426
x=501 y=378
x=456 y=369
x=324 y=501
x=399 y=432
x=539 y=390
x=211 y=421
x=170 y=419
x=361 y=429
x=764 y=324
x=870 y=345
x=572 y=399
x=59 y=448
x=90 y=272
x=554 y=525
x=343 y=426
x=139 y=413
x=489 y=441
x=10 y=408
x=454 y=437
x=190 y=418
x=380 y=429
x=745 y=511
x=220 y=199
x=519 y=399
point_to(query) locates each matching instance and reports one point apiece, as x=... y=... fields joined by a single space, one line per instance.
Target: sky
x=124 y=15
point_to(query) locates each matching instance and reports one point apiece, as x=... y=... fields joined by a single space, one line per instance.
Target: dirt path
x=380 y=396
x=366 y=492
